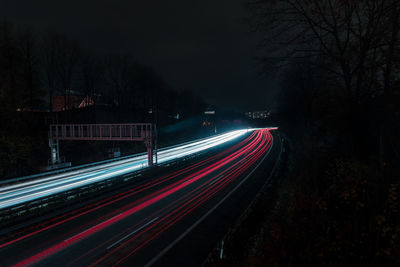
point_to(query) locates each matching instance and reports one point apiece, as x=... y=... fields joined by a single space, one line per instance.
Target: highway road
x=11 y=195
x=171 y=219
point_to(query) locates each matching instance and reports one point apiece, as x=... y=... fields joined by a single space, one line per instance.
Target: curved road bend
x=173 y=219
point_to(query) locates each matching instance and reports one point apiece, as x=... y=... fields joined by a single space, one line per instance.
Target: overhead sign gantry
x=142 y=132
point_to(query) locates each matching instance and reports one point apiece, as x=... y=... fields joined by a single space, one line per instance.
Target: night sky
x=202 y=46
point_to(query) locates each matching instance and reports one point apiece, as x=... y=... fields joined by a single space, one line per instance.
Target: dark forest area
x=339 y=109
x=336 y=201
x=43 y=75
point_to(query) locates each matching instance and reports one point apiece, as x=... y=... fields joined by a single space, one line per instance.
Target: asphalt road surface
x=50 y=184
x=174 y=219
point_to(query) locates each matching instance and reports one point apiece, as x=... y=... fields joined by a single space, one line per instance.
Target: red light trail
x=199 y=183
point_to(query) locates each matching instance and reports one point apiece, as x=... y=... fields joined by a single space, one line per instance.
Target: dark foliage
x=338 y=205
x=35 y=68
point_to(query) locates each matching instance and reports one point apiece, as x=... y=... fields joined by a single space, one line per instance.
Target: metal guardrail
x=16 y=213
x=48 y=173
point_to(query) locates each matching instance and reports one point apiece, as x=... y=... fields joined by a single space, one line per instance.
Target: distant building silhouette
x=62 y=102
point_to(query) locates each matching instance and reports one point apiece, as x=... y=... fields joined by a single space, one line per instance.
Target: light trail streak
x=185 y=201
x=157 y=196
x=32 y=190
x=165 y=212
x=185 y=211
x=110 y=200
x=240 y=160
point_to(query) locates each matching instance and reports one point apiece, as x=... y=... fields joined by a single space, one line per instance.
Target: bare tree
x=10 y=69
x=355 y=40
x=60 y=57
x=28 y=48
x=67 y=56
x=117 y=70
x=346 y=32
x=49 y=63
x=91 y=72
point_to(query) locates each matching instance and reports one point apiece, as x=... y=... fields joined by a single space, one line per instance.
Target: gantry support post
x=54 y=149
x=142 y=132
x=156 y=143
x=148 y=131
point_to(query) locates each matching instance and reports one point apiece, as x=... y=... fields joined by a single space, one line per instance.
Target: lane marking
x=213 y=182
x=221 y=254
x=87 y=230
x=132 y=233
x=166 y=249
x=130 y=192
x=77 y=181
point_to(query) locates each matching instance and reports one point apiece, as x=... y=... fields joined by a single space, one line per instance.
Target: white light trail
x=27 y=191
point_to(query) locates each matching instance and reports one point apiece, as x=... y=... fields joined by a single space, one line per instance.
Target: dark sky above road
x=198 y=45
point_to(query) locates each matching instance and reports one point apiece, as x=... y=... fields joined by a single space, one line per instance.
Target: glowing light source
x=28 y=191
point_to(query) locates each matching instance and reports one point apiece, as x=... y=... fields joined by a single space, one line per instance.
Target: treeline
x=36 y=67
x=343 y=52
x=339 y=107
